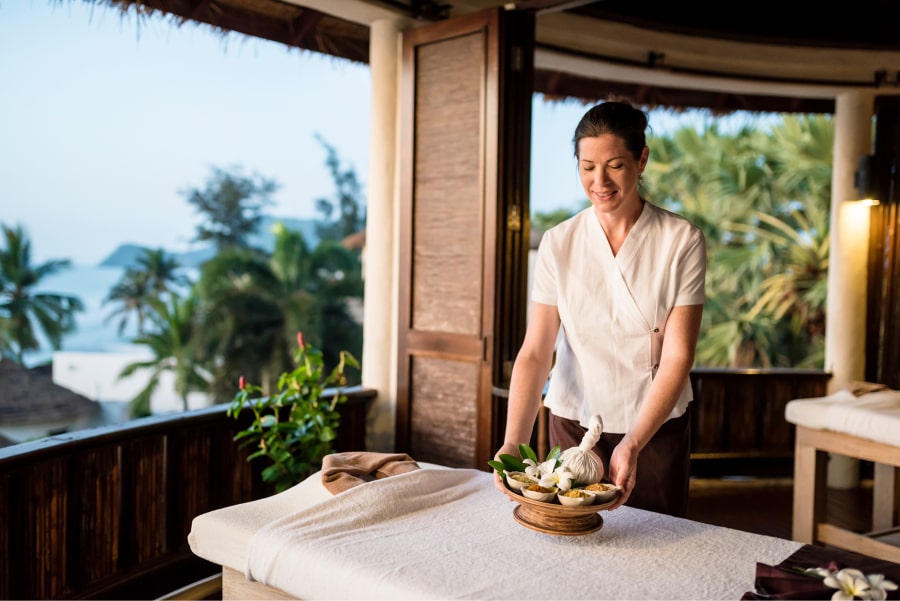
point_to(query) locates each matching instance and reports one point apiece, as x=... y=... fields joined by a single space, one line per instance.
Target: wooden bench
x=866 y=427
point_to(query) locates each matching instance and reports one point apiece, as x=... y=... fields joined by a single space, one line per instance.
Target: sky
x=106 y=122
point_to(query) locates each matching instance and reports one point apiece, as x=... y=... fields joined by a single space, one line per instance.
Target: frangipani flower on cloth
x=580 y=460
x=853 y=584
x=878 y=581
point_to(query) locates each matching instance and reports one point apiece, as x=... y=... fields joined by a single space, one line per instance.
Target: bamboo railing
x=105 y=513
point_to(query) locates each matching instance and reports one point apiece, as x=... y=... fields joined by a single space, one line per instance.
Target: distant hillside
x=127 y=255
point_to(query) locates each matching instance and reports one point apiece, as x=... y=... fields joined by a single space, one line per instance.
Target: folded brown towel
x=859 y=388
x=342 y=471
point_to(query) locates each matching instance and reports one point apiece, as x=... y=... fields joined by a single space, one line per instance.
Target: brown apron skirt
x=663 y=467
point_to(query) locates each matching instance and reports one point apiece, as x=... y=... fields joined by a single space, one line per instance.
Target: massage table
x=863 y=426
x=442 y=533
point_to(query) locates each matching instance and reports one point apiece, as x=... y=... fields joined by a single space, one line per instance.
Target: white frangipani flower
x=531 y=468
x=878 y=586
x=850 y=583
x=539 y=470
x=560 y=478
x=853 y=584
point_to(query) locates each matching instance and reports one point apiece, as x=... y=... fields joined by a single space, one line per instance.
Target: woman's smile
x=608 y=171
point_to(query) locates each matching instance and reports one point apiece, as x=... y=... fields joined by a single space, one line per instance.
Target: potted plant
x=295 y=428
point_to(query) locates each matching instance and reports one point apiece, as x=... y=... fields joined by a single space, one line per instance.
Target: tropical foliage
x=247 y=305
x=295 y=427
x=231 y=206
x=762 y=199
x=255 y=304
x=26 y=313
x=155 y=274
x=172 y=342
x=342 y=215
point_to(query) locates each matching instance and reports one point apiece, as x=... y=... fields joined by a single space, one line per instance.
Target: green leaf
x=554 y=453
x=497 y=465
x=512 y=463
x=527 y=453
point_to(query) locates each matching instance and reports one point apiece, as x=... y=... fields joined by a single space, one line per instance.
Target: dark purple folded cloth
x=787 y=580
x=773 y=582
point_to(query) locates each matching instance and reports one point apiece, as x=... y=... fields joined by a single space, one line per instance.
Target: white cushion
x=223 y=535
x=874 y=416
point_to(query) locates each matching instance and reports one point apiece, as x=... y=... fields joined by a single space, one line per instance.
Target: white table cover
x=448 y=534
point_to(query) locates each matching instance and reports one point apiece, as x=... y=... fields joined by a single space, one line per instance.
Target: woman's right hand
x=508 y=448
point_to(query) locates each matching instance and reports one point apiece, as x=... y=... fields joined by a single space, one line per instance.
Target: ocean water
x=95 y=332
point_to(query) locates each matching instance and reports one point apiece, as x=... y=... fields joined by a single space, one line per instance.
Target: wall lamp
x=866 y=182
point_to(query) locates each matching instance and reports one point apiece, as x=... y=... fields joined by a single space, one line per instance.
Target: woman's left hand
x=623 y=471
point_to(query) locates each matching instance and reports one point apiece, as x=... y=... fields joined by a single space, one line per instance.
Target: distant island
x=127 y=255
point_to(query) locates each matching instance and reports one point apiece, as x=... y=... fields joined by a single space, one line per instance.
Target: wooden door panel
x=442 y=412
x=452 y=242
x=448 y=212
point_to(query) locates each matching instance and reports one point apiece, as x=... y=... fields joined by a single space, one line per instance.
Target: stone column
x=379 y=266
x=845 y=324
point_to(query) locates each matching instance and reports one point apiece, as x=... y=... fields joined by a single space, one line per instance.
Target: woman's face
x=609 y=174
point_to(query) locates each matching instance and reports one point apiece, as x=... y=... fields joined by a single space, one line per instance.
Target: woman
x=618 y=293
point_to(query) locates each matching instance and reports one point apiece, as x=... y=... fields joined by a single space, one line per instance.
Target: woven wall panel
x=443 y=411
x=448 y=189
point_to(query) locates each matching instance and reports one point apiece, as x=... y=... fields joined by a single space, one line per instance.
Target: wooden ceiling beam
x=543 y=7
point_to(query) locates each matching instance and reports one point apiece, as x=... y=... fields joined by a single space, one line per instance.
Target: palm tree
x=162 y=271
x=7 y=349
x=762 y=200
x=170 y=341
x=131 y=292
x=25 y=313
x=156 y=274
x=255 y=305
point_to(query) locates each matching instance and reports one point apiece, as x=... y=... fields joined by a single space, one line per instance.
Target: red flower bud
x=242 y=383
x=300 y=342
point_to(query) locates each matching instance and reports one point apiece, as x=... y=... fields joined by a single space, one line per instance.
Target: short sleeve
x=692 y=285
x=544 y=279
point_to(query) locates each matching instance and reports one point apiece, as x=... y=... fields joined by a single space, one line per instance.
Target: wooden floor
x=765 y=506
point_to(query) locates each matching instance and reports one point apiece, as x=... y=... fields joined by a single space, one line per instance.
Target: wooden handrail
x=737 y=419
x=105 y=513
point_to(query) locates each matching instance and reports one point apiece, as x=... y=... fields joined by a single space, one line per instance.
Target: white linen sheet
x=873 y=416
x=448 y=534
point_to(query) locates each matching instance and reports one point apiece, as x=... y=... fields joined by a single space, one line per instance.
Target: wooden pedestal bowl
x=553 y=518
